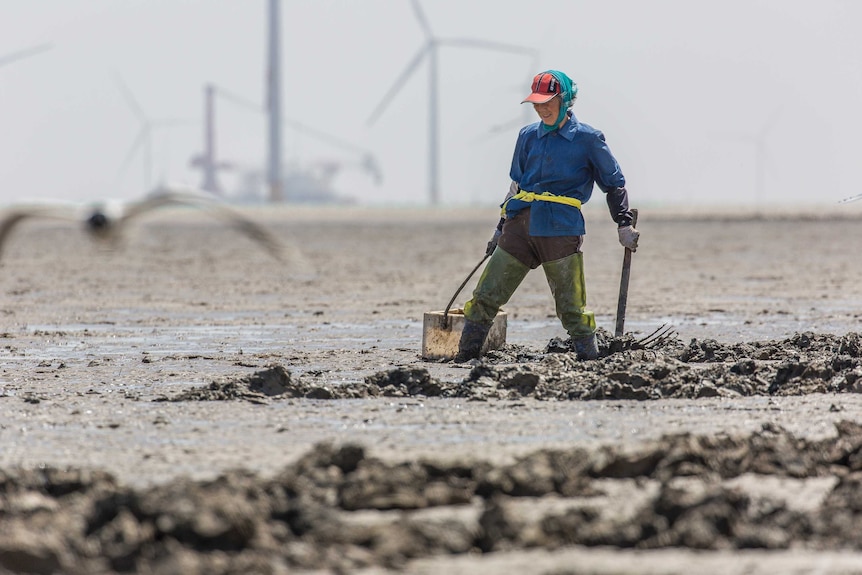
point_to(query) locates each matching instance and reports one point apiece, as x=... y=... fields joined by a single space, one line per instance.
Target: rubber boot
x=586 y=347
x=472 y=339
x=499 y=280
x=566 y=279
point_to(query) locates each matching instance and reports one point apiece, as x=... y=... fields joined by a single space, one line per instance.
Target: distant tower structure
x=276 y=189
x=207 y=160
x=210 y=181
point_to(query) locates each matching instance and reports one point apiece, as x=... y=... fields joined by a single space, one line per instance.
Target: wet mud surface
x=162 y=411
x=803 y=364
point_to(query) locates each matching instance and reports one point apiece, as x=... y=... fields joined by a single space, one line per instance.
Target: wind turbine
x=761 y=154
x=430 y=50
x=144 y=138
x=9 y=58
x=208 y=163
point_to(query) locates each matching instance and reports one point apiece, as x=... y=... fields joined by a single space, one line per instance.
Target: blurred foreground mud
x=339 y=508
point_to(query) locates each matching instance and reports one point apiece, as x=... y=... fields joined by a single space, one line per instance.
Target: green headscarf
x=568 y=93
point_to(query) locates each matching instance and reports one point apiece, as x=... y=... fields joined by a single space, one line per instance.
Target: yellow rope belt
x=525 y=196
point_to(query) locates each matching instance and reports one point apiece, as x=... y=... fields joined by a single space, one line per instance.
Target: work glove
x=629 y=237
x=492 y=245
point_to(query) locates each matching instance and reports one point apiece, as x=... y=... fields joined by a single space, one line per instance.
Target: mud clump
x=339 y=508
x=803 y=364
x=272 y=382
x=276 y=382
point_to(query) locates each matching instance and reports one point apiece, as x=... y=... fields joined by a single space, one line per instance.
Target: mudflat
x=185 y=403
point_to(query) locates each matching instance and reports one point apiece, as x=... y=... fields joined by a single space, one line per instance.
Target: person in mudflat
x=556 y=163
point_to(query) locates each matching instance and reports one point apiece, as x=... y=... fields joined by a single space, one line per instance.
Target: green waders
x=566 y=280
x=501 y=277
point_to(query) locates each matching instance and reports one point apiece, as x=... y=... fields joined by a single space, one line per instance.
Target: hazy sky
x=694 y=97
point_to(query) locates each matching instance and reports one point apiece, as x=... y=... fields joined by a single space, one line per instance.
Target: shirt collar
x=567 y=130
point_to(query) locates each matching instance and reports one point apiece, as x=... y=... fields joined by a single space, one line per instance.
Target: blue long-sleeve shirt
x=565 y=162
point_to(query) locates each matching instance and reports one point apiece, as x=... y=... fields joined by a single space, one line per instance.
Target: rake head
x=653 y=340
x=609 y=345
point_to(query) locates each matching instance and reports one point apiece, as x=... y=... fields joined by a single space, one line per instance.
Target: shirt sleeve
x=609 y=177
x=607 y=172
x=618 y=205
x=519 y=159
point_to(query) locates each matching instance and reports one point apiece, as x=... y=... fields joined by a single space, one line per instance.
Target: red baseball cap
x=545 y=86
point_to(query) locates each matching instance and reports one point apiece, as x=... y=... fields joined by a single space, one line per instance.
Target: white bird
x=106 y=220
x=850 y=199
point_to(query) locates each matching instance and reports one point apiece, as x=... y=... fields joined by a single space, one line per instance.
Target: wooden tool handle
x=460 y=287
x=624 y=284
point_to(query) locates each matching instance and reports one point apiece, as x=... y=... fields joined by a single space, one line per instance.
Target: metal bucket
x=441 y=333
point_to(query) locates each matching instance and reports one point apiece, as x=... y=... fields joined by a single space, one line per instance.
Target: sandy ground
x=95 y=344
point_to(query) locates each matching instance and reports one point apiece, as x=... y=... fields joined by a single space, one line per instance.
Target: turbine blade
x=239 y=100
x=399 y=82
x=294 y=124
x=129 y=98
x=133 y=150
x=423 y=22
x=21 y=54
x=300 y=127
x=770 y=123
x=731 y=135
x=504 y=127
x=488 y=45
x=171 y=122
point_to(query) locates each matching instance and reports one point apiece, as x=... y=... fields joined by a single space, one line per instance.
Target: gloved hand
x=629 y=237
x=492 y=245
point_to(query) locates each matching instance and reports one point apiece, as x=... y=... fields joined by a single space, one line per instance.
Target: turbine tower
x=274 y=176
x=430 y=50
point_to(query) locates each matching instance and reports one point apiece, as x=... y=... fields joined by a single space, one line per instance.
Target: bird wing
x=182 y=195
x=162 y=197
x=13 y=216
x=850 y=199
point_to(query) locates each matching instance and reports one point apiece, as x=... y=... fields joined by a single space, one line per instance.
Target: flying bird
x=850 y=199
x=106 y=220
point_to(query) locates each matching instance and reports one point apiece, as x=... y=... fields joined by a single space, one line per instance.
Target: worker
x=554 y=167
